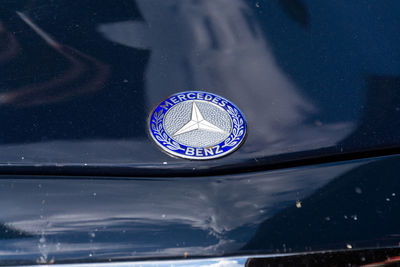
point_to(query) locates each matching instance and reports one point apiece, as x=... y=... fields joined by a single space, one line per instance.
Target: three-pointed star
x=197 y=122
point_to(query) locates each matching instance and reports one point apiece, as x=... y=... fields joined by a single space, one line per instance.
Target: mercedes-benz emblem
x=197 y=125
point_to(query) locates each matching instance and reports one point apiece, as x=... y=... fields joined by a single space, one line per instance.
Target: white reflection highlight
x=223 y=263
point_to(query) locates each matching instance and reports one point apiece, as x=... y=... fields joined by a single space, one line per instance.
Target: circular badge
x=197 y=125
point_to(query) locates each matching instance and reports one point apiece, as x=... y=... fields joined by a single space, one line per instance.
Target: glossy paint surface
x=348 y=205
x=79 y=78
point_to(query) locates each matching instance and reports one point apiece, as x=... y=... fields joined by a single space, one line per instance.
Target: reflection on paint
x=8 y=45
x=62 y=87
x=219 y=46
x=148 y=217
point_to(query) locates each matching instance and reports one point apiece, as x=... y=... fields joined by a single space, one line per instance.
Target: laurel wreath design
x=238 y=128
x=160 y=134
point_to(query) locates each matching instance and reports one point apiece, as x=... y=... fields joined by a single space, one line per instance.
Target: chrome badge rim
x=197 y=125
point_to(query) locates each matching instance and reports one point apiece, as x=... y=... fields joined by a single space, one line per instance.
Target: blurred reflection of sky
x=219 y=46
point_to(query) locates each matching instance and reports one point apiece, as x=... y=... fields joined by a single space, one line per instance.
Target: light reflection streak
x=52 y=91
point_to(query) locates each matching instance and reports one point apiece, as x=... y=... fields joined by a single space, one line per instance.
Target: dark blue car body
x=81 y=181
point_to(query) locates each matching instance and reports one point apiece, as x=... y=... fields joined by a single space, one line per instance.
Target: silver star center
x=197 y=122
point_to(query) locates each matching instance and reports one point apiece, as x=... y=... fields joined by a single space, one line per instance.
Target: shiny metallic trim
x=239 y=261
x=358 y=257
